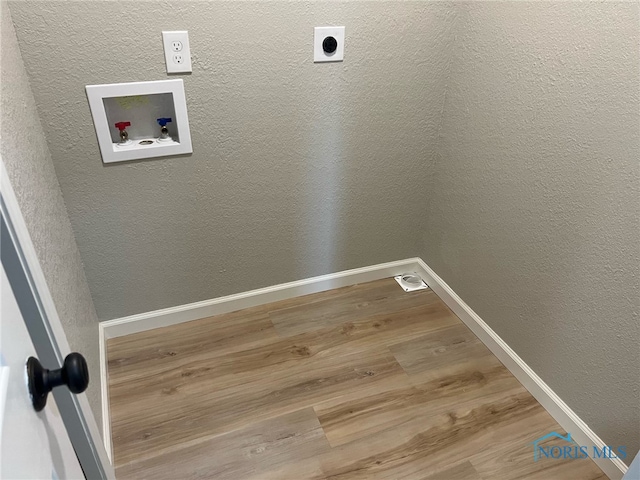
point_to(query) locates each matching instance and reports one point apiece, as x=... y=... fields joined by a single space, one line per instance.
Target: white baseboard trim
x=104 y=390
x=253 y=298
x=560 y=411
x=207 y=308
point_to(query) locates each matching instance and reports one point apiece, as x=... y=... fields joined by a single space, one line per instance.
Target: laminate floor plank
x=137 y=356
x=355 y=416
x=186 y=411
x=347 y=304
x=450 y=350
x=281 y=447
x=462 y=471
x=366 y=381
x=419 y=446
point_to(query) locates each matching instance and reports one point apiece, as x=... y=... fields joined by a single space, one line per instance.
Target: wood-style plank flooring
x=366 y=381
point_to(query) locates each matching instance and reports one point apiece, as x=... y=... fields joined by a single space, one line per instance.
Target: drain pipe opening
x=410 y=281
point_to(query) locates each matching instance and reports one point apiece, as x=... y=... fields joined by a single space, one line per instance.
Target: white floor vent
x=410 y=282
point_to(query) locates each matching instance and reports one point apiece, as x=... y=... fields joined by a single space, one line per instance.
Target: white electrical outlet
x=177 y=53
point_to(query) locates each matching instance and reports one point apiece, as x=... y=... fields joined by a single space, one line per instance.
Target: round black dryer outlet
x=329 y=45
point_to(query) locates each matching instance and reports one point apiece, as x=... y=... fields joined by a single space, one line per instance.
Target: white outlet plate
x=320 y=33
x=177 y=52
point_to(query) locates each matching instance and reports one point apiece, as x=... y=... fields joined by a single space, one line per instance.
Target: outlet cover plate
x=320 y=33
x=177 y=51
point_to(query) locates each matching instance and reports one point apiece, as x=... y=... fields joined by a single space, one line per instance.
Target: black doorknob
x=74 y=374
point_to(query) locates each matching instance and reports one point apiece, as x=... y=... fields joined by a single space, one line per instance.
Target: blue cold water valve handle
x=163 y=121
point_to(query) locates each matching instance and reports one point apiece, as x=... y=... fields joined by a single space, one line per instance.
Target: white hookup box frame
x=144 y=100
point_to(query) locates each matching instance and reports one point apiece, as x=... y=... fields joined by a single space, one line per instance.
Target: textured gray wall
x=26 y=157
x=534 y=217
x=299 y=169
